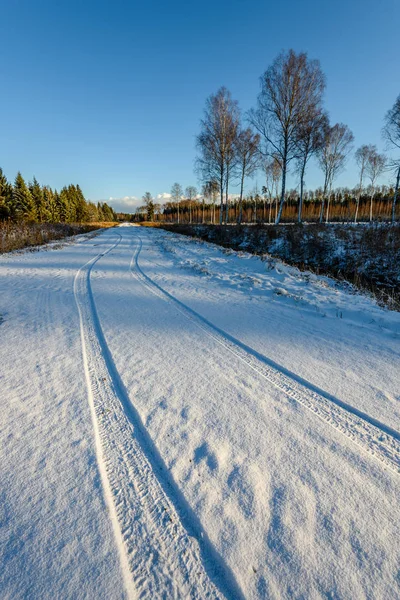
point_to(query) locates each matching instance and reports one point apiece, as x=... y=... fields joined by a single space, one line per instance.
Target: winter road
x=181 y=421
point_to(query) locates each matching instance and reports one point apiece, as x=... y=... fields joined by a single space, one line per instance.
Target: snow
x=180 y=420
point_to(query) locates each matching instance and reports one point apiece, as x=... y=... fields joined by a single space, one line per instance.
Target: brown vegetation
x=368 y=257
x=14 y=236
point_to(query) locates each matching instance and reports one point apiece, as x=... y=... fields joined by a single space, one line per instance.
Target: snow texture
x=183 y=421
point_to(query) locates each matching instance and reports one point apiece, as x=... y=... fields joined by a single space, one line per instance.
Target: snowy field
x=182 y=421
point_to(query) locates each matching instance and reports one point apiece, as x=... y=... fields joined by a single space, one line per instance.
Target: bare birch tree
x=291 y=88
x=362 y=156
x=157 y=210
x=230 y=170
x=176 y=195
x=248 y=160
x=332 y=158
x=268 y=188
x=391 y=132
x=310 y=137
x=216 y=141
x=206 y=193
x=191 y=194
x=149 y=204
x=272 y=171
x=214 y=190
x=210 y=190
x=276 y=177
x=374 y=168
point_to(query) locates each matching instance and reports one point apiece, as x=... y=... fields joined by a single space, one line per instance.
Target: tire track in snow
x=163 y=550
x=374 y=437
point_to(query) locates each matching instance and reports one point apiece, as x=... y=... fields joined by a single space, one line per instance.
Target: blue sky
x=109 y=94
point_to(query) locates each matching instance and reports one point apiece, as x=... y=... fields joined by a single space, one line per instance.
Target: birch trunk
x=360 y=190
x=396 y=191
x=321 y=214
x=301 y=191
x=226 y=199
x=221 y=208
x=283 y=189
x=241 y=199
x=328 y=204
x=370 y=206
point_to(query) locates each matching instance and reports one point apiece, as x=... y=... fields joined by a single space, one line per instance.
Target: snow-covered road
x=180 y=420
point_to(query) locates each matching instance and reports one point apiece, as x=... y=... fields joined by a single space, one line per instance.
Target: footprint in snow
x=204 y=453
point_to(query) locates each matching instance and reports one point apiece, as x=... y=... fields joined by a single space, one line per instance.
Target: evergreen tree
x=63 y=208
x=23 y=206
x=50 y=205
x=148 y=201
x=108 y=213
x=38 y=200
x=100 y=213
x=80 y=204
x=5 y=197
x=36 y=203
x=91 y=212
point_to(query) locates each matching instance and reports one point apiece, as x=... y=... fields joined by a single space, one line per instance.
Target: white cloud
x=125 y=204
x=129 y=204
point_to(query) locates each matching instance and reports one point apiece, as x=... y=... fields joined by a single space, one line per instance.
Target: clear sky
x=109 y=94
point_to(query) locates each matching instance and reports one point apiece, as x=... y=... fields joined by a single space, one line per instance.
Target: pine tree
x=100 y=213
x=91 y=212
x=80 y=204
x=23 y=206
x=108 y=213
x=35 y=203
x=38 y=200
x=62 y=206
x=5 y=197
x=50 y=205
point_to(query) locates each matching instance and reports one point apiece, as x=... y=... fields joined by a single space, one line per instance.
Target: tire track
x=163 y=550
x=371 y=435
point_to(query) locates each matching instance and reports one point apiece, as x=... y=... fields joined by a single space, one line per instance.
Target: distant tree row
x=291 y=127
x=288 y=127
x=32 y=202
x=346 y=205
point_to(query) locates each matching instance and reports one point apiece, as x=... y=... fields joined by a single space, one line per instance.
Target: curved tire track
x=160 y=557
x=374 y=437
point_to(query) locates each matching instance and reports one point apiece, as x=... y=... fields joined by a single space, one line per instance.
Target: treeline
x=34 y=203
x=288 y=127
x=260 y=208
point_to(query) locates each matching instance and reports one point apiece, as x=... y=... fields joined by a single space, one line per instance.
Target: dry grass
x=14 y=236
x=150 y=224
x=367 y=256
